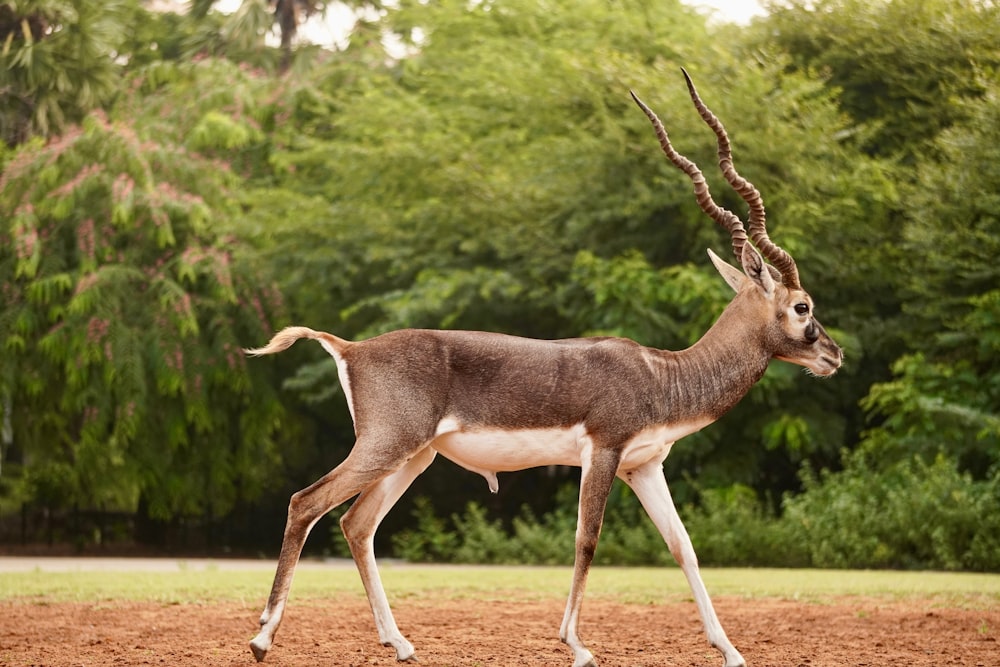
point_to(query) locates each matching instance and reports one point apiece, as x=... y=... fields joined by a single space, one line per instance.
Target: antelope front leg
x=650 y=487
x=595 y=484
x=304 y=510
x=359 y=526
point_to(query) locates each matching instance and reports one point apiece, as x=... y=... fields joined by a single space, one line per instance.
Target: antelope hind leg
x=304 y=510
x=359 y=525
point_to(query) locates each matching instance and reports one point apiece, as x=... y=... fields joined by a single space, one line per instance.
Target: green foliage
x=58 y=60
x=731 y=527
x=901 y=66
x=481 y=540
x=494 y=174
x=912 y=514
x=500 y=178
x=124 y=306
x=931 y=408
x=429 y=540
x=626 y=296
x=472 y=537
x=945 y=394
x=439 y=174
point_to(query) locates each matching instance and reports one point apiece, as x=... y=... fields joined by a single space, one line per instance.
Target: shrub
x=481 y=540
x=430 y=541
x=913 y=514
x=732 y=527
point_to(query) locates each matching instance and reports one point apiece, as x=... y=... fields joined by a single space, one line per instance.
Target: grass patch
x=183 y=587
x=643 y=585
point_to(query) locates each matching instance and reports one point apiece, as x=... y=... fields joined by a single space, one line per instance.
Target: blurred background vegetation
x=175 y=185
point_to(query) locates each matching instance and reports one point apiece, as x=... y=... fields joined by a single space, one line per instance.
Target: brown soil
x=769 y=632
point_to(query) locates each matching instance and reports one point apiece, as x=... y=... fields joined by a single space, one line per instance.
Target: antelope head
x=769 y=280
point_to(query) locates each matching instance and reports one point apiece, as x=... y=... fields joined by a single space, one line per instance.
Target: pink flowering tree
x=124 y=302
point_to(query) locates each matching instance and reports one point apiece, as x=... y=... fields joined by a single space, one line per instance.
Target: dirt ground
x=769 y=632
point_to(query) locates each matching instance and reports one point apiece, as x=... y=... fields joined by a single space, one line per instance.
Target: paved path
x=84 y=564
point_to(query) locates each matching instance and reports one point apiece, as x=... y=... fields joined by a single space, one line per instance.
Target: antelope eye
x=802 y=308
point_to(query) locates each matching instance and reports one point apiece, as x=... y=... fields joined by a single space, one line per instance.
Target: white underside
x=487 y=451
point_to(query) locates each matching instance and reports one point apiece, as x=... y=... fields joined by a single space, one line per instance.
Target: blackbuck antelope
x=495 y=403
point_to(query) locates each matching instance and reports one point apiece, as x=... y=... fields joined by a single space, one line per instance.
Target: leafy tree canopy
x=124 y=305
x=946 y=397
x=499 y=177
x=58 y=60
x=902 y=66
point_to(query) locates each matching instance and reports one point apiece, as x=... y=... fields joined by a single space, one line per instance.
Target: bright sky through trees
x=736 y=11
x=335 y=25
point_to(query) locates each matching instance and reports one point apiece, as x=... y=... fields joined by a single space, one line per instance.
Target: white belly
x=489 y=451
x=495 y=450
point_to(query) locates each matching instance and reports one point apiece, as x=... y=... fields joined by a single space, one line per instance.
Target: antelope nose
x=836 y=353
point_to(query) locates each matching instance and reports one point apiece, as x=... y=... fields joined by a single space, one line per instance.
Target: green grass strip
x=645 y=585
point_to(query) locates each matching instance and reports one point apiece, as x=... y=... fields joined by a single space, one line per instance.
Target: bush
x=549 y=541
x=481 y=540
x=910 y=515
x=430 y=541
x=913 y=514
x=472 y=537
x=732 y=527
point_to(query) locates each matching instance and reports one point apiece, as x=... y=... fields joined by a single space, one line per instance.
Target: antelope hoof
x=259 y=648
x=404 y=651
x=735 y=660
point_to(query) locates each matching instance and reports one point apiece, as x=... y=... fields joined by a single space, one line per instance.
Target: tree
x=945 y=397
x=125 y=301
x=499 y=177
x=58 y=59
x=288 y=14
x=243 y=34
x=494 y=176
x=901 y=66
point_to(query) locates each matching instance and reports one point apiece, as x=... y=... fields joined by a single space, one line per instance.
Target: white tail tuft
x=284 y=340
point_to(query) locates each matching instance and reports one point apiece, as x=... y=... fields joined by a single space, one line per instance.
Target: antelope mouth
x=827 y=366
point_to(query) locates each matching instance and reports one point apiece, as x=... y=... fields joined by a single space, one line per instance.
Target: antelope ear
x=757 y=270
x=730 y=273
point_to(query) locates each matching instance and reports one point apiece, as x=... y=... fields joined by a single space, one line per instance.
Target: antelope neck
x=714 y=374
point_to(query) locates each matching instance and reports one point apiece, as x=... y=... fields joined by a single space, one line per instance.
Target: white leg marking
x=305 y=508
x=359 y=526
x=269 y=621
x=650 y=487
x=345 y=381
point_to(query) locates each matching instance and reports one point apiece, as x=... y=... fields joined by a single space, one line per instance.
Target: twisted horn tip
x=690 y=83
